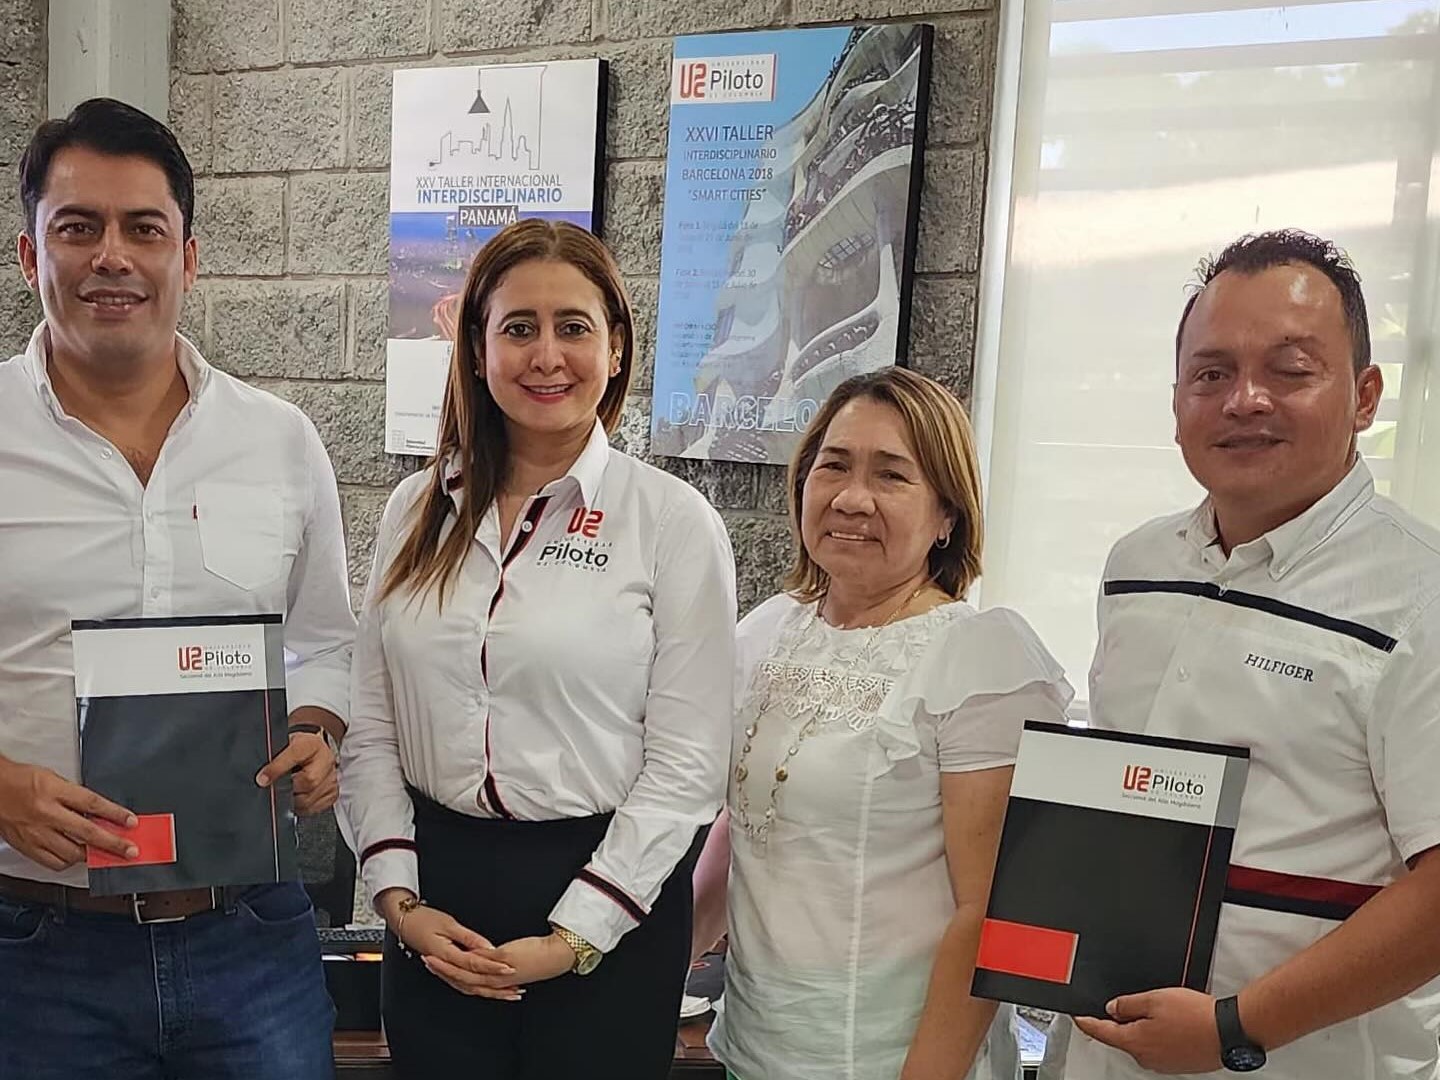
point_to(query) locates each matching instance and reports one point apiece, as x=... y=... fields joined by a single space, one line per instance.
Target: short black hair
x=1260 y=251
x=108 y=127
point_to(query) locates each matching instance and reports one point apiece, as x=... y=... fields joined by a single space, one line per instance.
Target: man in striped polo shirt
x=1296 y=612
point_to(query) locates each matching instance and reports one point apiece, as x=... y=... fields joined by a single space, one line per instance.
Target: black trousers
x=501 y=879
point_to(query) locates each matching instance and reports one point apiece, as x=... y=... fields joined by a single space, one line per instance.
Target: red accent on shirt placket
x=490 y=789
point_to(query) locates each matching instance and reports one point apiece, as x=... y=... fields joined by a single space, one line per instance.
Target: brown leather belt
x=142 y=907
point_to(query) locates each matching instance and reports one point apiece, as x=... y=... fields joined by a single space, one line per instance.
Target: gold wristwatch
x=587 y=956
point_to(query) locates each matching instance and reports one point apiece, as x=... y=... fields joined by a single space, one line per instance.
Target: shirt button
x=1183 y=674
x=106 y=454
x=526 y=526
x=154 y=593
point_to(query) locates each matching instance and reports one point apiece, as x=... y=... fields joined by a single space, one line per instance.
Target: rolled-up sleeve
x=686 y=741
x=375 y=813
x=319 y=625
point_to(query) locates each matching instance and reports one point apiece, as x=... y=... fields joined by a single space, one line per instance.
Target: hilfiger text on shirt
x=1280 y=667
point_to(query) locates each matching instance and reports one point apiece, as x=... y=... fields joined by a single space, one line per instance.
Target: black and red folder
x=176 y=718
x=1111 y=869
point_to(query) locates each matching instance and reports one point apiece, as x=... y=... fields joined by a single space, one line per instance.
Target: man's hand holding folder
x=311 y=763
x=47 y=818
x=1166 y=1031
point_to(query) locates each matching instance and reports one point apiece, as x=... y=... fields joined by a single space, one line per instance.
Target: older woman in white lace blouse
x=877 y=721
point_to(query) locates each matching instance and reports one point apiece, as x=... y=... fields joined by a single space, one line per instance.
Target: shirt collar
x=1287 y=544
x=193 y=367
x=586 y=473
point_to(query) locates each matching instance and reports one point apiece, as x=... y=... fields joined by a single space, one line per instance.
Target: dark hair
x=108 y=127
x=1260 y=251
x=472 y=427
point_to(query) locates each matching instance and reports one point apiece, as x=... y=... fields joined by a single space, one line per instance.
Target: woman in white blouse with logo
x=541 y=699
x=877 y=719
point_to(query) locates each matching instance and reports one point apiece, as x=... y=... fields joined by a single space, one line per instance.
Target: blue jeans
x=222 y=995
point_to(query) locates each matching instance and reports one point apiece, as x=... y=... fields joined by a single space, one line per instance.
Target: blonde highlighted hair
x=944 y=445
x=472 y=427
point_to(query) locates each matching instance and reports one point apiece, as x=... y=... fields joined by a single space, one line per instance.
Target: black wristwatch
x=1238 y=1052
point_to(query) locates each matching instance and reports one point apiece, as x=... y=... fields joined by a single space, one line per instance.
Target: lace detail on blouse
x=801 y=691
x=848 y=675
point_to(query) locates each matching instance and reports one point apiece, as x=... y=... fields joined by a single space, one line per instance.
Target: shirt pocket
x=241 y=531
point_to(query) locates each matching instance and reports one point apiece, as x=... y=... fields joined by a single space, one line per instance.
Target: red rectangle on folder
x=153 y=834
x=1031 y=952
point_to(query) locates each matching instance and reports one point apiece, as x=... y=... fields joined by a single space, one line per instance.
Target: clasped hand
x=469 y=963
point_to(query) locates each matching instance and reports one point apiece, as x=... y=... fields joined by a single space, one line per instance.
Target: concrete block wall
x=284 y=108
x=23 y=73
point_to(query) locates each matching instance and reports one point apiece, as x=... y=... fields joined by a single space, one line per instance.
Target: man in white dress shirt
x=139 y=481
x=1295 y=612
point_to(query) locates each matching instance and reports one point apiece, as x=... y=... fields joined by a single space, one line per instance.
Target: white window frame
x=1416 y=469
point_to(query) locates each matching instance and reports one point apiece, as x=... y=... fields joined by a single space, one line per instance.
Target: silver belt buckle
x=137 y=903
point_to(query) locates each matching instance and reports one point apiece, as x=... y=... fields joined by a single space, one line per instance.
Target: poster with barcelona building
x=791 y=213
x=473 y=149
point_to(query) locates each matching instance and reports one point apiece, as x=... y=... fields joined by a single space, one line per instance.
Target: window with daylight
x=1133 y=137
